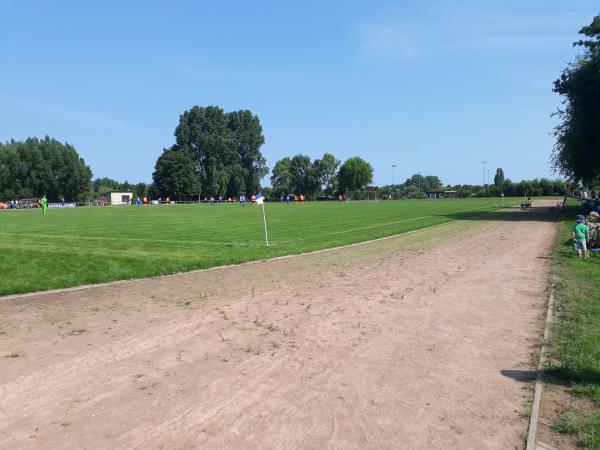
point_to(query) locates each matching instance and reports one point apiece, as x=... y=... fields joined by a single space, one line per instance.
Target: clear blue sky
x=431 y=86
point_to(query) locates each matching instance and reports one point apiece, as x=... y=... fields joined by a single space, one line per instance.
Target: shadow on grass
x=560 y=376
x=533 y=214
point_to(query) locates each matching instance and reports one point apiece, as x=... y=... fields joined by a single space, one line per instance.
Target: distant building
x=120 y=198
x=441 y=194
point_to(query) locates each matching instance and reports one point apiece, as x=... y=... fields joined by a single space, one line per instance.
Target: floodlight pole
x=484 y=163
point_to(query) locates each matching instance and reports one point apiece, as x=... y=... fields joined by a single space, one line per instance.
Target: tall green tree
x=37 y=167
x=203 y=133
x=304 y=178
x=174 y=174
x=281 y=178
x=326 y=171
x=250 y=166
x=225 y=148
x=354 y=174
x=499 y=177
x=577 y=149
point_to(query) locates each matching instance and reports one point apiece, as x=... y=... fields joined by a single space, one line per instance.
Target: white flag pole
x=265 y=222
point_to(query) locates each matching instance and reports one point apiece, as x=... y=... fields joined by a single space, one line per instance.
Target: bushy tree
x=174 y=174
x=225 y=149
x=422 y=183
x=281 y=178
x=354 y=174
x=304 y=175
x=299 y=175
x=37 y=167
x=577 y=148
x=250 y=166
x=326 y=171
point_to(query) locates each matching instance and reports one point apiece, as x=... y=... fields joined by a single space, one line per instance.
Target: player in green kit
x=44 y=203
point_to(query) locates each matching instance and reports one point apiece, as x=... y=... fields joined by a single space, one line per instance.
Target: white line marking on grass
x=251 y=243
x=317 y=236
x=104 y=238
x=222 y=267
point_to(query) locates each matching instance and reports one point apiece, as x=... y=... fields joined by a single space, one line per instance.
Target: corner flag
x=260 y=200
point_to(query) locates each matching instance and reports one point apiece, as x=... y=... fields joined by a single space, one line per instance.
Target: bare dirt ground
x=417 y=341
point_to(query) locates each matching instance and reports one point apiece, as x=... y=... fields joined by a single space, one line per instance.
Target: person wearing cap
x=581 y=234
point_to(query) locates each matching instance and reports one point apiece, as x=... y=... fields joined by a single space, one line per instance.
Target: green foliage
x=174 y=175
x=224 y=150
x=281 y=178
x=354 y=174
x=535 y=188
x=304 y=176
x=248 y=137
x=413 y=185
x=42 y=166
x=91 y=245
x=101 y=186
x=577 y=149
x=326 y=171
x=499 y=178
x=298 y=175
x=566 y=424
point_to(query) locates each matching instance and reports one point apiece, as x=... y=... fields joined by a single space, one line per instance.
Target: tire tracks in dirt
x=402 y=342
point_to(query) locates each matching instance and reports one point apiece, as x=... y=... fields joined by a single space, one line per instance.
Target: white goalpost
x=369 y=195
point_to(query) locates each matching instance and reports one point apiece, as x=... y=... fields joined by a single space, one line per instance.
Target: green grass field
x=70 y=247
x=574 y=346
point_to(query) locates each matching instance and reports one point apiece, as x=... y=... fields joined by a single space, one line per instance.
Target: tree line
x=324 y=176
x=218 y=153
x=36 y=167
x=418 y=185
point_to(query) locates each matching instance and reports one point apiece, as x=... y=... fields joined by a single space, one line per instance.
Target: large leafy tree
x=354 y=174
x=304 y=179
x=281 y=178
x=250 y=166
x=203 y=133
x=326 y=171
x=577 y=148
x=36 y=167
x=225 y=149
x=421 y=183
x=174 y=174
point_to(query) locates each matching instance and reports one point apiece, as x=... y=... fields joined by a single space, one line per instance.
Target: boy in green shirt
x=581 y=235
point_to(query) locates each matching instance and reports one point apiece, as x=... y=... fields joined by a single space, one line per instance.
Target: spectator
x=581 y=234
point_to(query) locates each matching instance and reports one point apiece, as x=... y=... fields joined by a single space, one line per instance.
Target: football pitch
x=70 y=247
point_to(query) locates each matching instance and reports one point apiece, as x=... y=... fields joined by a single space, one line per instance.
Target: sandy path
x=398 y=343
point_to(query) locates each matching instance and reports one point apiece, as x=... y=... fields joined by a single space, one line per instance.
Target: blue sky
x=434 y=87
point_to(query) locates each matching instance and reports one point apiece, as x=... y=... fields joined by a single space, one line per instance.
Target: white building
x=120 y=198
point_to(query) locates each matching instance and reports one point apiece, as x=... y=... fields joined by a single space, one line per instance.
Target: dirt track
x=410 y=342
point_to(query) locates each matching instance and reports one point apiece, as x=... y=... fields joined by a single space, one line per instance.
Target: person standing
x=581 y=234
x=44 y=203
